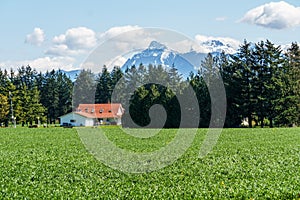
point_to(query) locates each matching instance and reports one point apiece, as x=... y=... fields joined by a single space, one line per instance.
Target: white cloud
x=115 y=44
x=42 y=64
x=81 y=40
x=275 y=15
x=63 y=50
x=37 y=37
x=77 y=38
x=115 y=31
x=110 y=64
x=126 y=38
x=74 y=41
x=185 y=46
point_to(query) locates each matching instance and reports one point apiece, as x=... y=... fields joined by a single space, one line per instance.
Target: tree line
x=29 y=97
x=261 y=83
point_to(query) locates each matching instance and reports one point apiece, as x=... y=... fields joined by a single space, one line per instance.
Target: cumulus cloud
x=37 y=37
x=185 y=46
x=42 y=64
x=63 y=50
x=126 y=38
x=77 y=38
x=81 y=40
x=110 y=64
x=74 y=41
x=275 y=15
x=114 y=31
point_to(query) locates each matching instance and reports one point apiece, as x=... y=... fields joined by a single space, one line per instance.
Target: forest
x=261 y=82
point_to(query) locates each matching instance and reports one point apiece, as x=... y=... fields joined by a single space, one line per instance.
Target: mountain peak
x=214 y=43
x=156 y=45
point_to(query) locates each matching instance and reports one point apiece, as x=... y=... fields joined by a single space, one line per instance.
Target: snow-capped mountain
x=159 y=54
x=217 y=46
x=195 y=58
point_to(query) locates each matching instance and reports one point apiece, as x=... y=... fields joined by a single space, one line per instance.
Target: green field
x=52 y=163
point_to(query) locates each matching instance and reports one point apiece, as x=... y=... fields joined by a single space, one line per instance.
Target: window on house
x=93 y=110
x=72 y=120
x=109 y=111
x=86 y=110
x=101 y=110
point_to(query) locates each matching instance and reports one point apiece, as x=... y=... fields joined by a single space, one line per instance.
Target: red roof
x=114 y=110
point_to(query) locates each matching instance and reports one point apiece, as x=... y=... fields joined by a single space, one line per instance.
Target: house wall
x=79 y=120
x=119 y=121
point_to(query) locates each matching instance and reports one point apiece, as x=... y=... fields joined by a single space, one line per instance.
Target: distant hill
x=72 y=74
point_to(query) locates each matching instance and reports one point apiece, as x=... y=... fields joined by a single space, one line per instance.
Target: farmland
x=52 y=163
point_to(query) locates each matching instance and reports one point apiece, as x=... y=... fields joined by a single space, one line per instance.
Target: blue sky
x=36 y=32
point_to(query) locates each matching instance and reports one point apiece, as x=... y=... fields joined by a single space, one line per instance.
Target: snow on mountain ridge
x=213 y=46
x=210 y=44
x=159 y=54
x=156 y=45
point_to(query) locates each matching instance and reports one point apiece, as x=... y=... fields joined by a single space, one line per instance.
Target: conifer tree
x=84 y=88
x=104 y=87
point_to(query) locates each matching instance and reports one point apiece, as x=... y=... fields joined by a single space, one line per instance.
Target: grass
x=52 y=163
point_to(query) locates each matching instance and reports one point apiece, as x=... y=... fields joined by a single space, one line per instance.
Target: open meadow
x=52 y=163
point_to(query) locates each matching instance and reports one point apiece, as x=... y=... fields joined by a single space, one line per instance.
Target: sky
x=61 y=34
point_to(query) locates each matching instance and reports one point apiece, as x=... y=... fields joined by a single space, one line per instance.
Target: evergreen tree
x=267 y=64
x=26 y=76
x=22 y=104
x=154 y=89
x=65 y=89
x=115 y=76
x=104 y=87
x=4 y=108
x=34 y=110
x=49 y=96
x=207 y=78
x=84 y=88
x=56 y=91
x=274 y=89
x=200 y=87
x=174 y=80
x=290 y=101
x=231 y=82
x=242 y=93
x=5 y=83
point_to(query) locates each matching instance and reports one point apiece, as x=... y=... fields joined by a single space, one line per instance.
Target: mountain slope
x=158 y=54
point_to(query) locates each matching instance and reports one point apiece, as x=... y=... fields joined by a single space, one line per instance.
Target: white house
x=93 y=114
x=76 y=119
